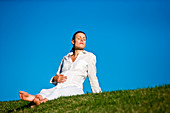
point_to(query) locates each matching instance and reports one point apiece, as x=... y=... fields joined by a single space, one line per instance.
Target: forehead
x=80 y=35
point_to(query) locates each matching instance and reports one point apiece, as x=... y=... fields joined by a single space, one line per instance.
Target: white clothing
x=55 y=93
x=76 y=72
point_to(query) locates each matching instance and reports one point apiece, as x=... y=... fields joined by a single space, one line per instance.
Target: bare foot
x=37 y=101
x=25 y=96
x=44 y=100
x=39 y=97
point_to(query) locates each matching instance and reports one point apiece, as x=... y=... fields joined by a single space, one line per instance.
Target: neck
x=76 y=52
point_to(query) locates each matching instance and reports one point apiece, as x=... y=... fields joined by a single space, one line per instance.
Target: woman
x=73 y=69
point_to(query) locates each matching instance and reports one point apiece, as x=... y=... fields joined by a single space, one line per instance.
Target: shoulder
x=90 y=55
x=67 y=55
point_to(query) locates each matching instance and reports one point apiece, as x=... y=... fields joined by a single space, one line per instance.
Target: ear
x=72 y=42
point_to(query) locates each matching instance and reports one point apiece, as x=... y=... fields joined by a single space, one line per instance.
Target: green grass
x=153 y=100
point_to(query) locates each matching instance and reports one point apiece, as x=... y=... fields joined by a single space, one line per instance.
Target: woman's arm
x=92 y=75
x=59 y=78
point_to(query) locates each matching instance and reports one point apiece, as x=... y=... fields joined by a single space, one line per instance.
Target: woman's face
x=80 y=41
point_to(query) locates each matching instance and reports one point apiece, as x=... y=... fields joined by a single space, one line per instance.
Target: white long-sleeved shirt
x=77 y=71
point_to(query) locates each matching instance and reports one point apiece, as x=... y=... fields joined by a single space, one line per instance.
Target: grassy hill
x=155 y=100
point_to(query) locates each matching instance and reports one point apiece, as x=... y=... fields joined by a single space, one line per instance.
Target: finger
x=61 y=81
x=64 y=77
x=60 y=75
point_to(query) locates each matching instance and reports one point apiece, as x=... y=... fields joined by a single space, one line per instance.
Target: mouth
x=81 y=43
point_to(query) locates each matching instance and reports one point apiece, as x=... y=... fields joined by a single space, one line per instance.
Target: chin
x=79 y=48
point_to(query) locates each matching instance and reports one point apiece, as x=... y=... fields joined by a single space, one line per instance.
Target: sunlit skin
x=79 y=44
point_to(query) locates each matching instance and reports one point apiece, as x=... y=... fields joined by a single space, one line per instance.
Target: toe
x=20 y=94
x=21 y=91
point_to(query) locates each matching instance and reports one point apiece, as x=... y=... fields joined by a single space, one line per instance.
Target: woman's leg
x=65 y=91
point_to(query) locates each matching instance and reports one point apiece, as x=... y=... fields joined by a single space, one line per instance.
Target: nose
x=81 y=39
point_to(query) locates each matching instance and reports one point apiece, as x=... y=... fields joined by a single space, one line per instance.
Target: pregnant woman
x=73 y=70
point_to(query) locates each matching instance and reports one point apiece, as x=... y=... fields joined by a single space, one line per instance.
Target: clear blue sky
x=131 y=40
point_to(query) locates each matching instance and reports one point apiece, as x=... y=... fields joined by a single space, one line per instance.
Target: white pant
x=54 y=93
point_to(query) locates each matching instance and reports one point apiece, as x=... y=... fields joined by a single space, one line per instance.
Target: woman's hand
x=60 y=78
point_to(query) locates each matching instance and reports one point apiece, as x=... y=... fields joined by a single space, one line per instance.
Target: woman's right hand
x=60 y=78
